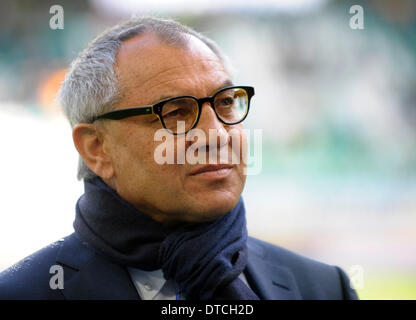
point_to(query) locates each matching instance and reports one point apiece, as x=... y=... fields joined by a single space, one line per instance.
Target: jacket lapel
x=269 y=281
x=90 y=276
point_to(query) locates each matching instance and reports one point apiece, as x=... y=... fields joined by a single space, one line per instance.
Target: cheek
x=131 y=156
x=140 y=167
x=239 y=143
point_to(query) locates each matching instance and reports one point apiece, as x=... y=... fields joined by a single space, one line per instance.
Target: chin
x=213 y=208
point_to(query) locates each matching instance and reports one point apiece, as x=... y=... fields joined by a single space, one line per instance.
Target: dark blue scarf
x=205 y=259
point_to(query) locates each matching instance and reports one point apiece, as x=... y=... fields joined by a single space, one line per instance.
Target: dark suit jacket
x=272 y=272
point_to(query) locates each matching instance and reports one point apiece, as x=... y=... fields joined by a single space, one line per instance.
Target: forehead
x=149 y=67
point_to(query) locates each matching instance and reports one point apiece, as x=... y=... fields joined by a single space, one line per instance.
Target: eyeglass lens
x=230 y=106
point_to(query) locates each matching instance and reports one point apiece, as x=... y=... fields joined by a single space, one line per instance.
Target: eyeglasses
x=231 y=105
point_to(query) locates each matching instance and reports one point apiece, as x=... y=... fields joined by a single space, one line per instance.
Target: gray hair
x=91 y=87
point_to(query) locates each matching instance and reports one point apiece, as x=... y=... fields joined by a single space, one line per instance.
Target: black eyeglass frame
x=157 y=108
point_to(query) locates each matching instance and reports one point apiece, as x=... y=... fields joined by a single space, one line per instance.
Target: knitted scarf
x=205 y=259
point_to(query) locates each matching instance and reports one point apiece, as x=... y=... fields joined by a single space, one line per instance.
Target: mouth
x=213 y=171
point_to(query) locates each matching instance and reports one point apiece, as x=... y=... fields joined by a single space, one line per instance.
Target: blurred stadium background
x=337 y=108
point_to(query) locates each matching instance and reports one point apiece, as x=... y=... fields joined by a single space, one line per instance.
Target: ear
x=90 y=145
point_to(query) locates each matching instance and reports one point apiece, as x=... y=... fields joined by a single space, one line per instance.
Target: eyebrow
x=226 y=83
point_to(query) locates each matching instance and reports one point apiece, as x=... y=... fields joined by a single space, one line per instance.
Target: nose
x=216 y=134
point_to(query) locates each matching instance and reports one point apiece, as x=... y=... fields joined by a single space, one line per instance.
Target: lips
x=210 y=168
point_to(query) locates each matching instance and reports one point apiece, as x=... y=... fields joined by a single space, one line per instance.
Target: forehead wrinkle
x=181 y=67
x=152 y=83
x=175 y=90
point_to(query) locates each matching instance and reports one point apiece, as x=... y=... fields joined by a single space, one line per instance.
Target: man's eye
x=226 y=102
x=173 y=113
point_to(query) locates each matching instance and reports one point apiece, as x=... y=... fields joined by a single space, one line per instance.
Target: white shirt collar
x=147 y=283
x=152 y=285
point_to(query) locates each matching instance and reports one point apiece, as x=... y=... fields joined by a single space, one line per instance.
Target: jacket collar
x=92 y=276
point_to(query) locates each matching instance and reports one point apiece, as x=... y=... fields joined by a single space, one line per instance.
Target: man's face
x=149 y=72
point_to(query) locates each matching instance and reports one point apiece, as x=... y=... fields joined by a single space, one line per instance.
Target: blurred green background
x=336 y=105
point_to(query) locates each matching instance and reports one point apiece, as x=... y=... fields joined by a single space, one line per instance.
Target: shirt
x=151 y=285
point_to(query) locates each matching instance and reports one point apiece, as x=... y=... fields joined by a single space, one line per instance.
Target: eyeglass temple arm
x=124 y=113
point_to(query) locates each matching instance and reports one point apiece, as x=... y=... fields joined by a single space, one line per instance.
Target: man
x=145 y=230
